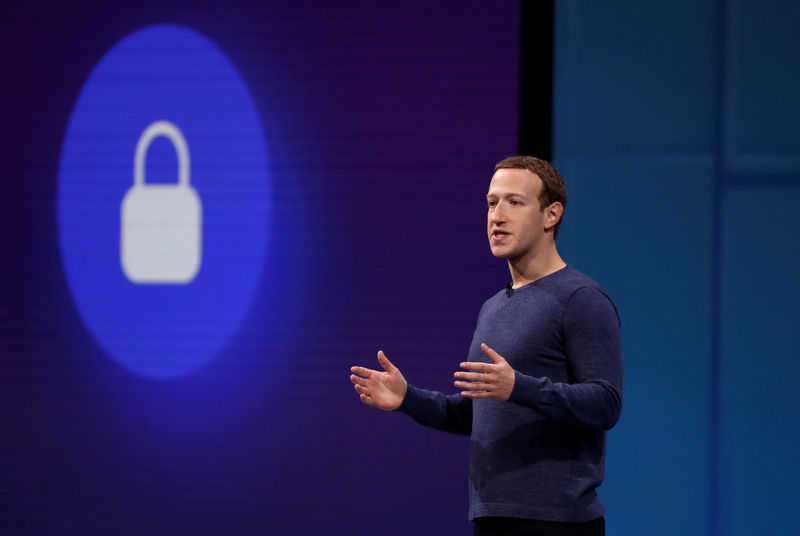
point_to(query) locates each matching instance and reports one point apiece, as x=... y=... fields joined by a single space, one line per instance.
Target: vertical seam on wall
x=716 y=265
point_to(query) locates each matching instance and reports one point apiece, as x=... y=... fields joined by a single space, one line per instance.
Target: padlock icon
x=161 y=233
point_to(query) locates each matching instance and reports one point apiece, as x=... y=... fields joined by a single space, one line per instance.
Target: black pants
x=510 y=526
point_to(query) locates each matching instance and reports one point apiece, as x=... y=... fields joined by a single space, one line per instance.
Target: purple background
x=384 y=122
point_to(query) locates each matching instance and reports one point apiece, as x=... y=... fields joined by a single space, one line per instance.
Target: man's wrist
x=525 y=389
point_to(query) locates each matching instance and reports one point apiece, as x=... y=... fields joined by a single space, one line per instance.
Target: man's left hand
x=487 y=380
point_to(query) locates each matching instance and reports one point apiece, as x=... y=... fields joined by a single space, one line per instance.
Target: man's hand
x=489 y=380
x=384 y=390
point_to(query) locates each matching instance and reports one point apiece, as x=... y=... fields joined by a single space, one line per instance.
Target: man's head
x=553 y=188
x=524 y=209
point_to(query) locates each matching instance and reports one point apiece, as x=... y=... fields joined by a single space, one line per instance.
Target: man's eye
x=492 y=203
x=515 y=202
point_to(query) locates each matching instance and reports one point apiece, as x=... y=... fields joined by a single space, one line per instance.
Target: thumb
x=385 y=363
x=494 y=356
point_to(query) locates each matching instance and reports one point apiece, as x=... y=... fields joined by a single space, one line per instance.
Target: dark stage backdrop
x=339 y=153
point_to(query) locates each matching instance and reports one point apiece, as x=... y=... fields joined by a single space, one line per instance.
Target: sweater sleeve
x=449 y=413
x=594 y=353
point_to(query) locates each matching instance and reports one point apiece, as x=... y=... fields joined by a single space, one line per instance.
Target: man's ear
x=553 y=214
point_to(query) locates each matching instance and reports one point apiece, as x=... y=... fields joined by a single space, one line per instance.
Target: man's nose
x=497 y=214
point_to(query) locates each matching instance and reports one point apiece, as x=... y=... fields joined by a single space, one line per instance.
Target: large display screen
x=209 y=212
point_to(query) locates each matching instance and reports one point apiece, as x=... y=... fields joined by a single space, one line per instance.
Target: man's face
x=515 y=221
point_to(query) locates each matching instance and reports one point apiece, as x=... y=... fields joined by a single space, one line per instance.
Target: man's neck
x=535 y=266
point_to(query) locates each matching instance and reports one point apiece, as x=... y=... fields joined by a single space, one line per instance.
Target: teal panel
x=634 y=76
x=641 y=226
x=762 y=86
x=760 y=364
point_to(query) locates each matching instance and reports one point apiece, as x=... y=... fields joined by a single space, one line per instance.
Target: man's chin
x=500 y=252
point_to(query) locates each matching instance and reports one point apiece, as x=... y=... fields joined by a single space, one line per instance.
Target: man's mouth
x=499 y=236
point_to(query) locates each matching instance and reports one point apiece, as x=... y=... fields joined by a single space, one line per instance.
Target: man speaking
x=543 y=380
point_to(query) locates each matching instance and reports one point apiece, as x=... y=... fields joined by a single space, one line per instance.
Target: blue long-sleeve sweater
x=541 y=454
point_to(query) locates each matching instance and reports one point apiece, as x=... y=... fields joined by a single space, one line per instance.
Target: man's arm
x=448 y=413
x=389 y=391
x=594 y=351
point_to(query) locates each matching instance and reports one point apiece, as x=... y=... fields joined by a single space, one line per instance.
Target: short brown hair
x=554 y=190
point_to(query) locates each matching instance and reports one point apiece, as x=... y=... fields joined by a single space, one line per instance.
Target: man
x=543 y=382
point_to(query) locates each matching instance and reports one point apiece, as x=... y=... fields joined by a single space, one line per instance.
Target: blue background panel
x=763 y=114
x=631 y=224
x=643 y=73
x=697 y=176
x=760 y=365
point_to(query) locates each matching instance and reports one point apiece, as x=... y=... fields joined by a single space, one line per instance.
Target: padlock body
x=161 y=234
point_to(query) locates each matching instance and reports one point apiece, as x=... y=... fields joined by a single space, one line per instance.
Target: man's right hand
x=384 y=390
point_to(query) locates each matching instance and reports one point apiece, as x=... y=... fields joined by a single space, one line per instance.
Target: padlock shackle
x=174 y=134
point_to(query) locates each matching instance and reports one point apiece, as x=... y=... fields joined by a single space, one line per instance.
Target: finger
x=385 y=363
x=471 y=376
x=360 y=389
x=358 y=380
x=473 y=386
x=477 y=366
x=476 y=394
x=363 y=372
x=367 y=400
x=494 y=356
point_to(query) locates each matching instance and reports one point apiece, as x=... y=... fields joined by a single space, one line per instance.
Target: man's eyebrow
x=508 y=194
